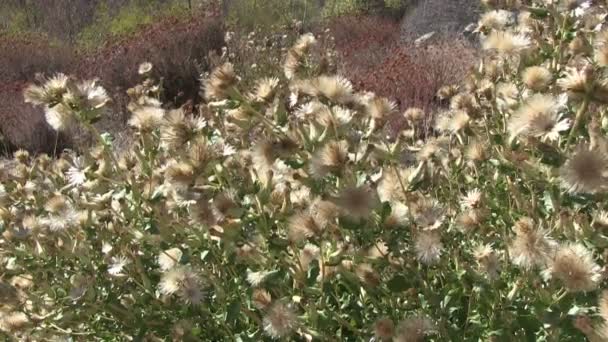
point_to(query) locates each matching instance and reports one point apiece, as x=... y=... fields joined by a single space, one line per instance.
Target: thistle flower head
x=506 y=42
x=532 y=246
x=585 y=171
x=574 y=267
x=302 y=226
x=146 y=119
x=428 y=247
x=539 y=117
x=265 y=89
x=488 y=260
x=169 y=258
x=414 y=329
x=144 y=68
x=331 y=158
x=384 y=329
x=50 y=93
x=577 y=81
x=220 y=81
x=537 y=78
x=280 y=320
x=335 y=88
x=494 y=20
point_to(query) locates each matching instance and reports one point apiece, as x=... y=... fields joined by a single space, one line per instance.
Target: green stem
x=581 y=114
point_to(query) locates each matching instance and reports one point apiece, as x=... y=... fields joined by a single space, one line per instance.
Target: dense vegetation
x=285 y=203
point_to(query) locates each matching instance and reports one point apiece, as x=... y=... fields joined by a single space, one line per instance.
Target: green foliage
x=126 y=20
x=285 y=207
x=342 y=7
x=17 y=20
x=248 y=15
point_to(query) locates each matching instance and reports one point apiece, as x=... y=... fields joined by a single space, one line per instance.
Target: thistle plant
x=286 y=210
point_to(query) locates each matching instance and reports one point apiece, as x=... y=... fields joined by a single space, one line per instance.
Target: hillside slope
x=440 y=16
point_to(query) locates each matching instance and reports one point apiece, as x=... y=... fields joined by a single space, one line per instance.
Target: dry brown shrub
x=377 y=59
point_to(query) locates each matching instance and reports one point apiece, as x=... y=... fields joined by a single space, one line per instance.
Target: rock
x=424 y=39
x=440 y=16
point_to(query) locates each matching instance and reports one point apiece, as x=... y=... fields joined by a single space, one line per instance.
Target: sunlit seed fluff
x=367 y=275
x=574 y=267
x=475 y=151
x=531 y=246
x=537 y=78
x=538 y=117
x=601 y=48
x=50 y=93
x=414 y=114
x=394 y=184
x=179 y=174
x=261 y=298
x=220 y=81
x=144 y=68
x=487 y=260
x=331 y=158
x=428 y=247
x=414 y=329
x=585 y=171
x=169 y=258
x=191 y=292
x=357 y=202
x=603 y=305
x=576 y=81
x=600 y=220
x=307 y=255
x=146 y=119
x=384 y=329
x=447 y=92
x=265 y=89
x=291 y=64
x=428 y=213
x=21 y=281
x=335 y=88
x=470 y=219
x=87 y=95
x=399 y=216
x=60 y=117
x=171 y=281
x=280 y=321
x=21 y=156
x=454 y=121
x=302 y=226
x=494 y=20
x=14 y=321
x=473 y=199
x=507 y=95
x=324 y=212
x=464 y=102
x=117 y=265
x=263 y=155
x=506 y=42
x=379 y=108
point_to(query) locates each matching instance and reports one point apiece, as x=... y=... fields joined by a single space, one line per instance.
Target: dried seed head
x=537 y=78
x=384 y=329
x=331 y=158
x=280 y=321
x=428 y=247
x=220 y=81
x=574 y=266
x=585 y=171
x=532 y=246
x=261 y=299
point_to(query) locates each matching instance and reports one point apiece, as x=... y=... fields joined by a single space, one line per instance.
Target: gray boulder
x=440 y=16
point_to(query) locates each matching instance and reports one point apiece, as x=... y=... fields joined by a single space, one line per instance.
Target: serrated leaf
x=397 y=284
